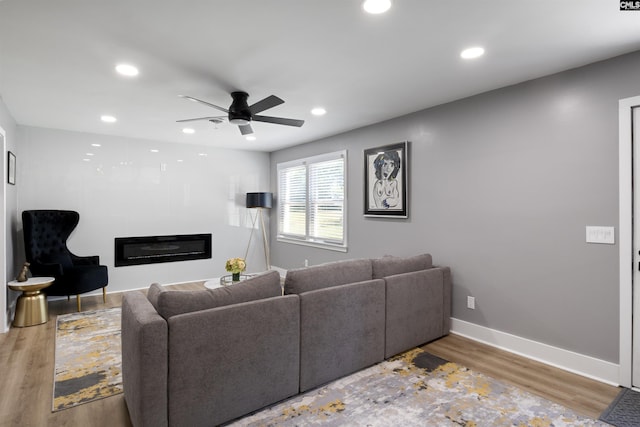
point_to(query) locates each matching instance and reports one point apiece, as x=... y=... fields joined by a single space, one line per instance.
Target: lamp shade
x=259 y=200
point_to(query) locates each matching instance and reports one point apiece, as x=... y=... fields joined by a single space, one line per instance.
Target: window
x=311 y=201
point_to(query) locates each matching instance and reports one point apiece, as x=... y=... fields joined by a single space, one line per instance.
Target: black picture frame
x=11 y=168
x=386 y=192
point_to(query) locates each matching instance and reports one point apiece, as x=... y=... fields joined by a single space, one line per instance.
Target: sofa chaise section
x=205 y=357
x=229 y=361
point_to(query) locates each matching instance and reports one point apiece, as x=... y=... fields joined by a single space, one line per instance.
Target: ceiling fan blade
x=191 y=98
x=265 y=104
x=202 y=118
x=246 y=129
x=278 y=120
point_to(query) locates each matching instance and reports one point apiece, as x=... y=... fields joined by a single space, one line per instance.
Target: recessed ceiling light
x=376 y=6
x=318 y=111
x=153 y=150
x=90 y=154
x=202 y=154
x=472 y=52
x=250 y=138
x=86 y=160
x=188 y=130
x=127 y=70
x=96 y=145
x=108 y=119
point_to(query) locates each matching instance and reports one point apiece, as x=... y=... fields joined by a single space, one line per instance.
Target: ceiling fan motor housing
x=239 y=113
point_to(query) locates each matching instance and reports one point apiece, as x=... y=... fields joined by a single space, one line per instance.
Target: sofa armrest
x=416 y=306
x=144 y=361
x=342 y=331
x=228 y=361
x=446 y=299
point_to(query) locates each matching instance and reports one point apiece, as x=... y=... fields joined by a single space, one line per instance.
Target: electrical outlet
x=306 y=263
x=471 y=303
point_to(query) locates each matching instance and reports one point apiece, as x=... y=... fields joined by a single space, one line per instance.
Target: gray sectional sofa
x=202 y=358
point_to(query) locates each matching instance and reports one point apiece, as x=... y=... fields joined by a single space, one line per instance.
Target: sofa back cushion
x=327 y=275
x=152 y=294
x=169 y=303
x=391 y=265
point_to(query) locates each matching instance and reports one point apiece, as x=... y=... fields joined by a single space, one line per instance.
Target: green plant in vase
x=235 y=266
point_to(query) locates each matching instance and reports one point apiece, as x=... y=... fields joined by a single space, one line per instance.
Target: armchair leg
x=104 y=294
x=68 y=297
x=78 y=302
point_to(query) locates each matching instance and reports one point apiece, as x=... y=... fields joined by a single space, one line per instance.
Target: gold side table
x=31 y=308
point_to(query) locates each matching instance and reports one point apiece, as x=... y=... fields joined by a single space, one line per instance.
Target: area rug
x=88 y=358
x=416 y=389
x=624 y=411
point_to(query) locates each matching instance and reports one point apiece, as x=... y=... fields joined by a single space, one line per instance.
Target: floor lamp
x=260 y=201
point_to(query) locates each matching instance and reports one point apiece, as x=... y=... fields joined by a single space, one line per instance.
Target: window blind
x=311 y=200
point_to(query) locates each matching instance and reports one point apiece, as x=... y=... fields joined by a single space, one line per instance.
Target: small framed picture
x=11 y=168
x=385 y=181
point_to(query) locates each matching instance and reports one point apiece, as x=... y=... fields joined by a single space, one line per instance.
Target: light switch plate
x=597 y=234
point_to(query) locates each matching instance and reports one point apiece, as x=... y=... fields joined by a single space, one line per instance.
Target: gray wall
x=502 y=186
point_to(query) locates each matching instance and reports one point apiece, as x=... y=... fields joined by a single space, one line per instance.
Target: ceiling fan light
x=239 y=122
x=250 y=138
x=318 y=111
x=376 y=7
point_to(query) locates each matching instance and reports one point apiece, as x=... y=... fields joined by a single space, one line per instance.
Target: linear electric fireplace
x=157 y=249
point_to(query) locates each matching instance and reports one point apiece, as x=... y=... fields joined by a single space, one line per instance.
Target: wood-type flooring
x=27 y=363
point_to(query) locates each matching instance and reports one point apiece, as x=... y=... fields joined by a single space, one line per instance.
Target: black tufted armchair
x=45 y=244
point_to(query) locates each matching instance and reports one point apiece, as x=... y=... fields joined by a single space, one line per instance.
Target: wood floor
x=27 y=363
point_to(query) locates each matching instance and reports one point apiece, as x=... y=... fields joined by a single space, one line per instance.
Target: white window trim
x=309 y=242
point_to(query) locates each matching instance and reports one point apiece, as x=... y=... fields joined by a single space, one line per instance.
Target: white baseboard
x=576 y=363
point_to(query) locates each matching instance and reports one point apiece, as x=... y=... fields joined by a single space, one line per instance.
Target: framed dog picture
x=385 y=181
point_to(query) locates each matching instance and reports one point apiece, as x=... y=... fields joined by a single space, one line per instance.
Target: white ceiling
x=57 y=59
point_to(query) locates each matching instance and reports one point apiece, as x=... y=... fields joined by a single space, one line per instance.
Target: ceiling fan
x=242 y=114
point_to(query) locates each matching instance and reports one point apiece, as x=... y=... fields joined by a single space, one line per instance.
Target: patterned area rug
x=624 y=411
x=416 y=389
x=88 y=357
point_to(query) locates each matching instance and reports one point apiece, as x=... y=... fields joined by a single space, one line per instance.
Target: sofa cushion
x=152 y=294
x=391 y=265
x=174 y=302
x=342 y=330
x=327 y=275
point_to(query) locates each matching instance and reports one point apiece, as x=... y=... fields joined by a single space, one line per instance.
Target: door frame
x=625 y=235
x=4 y=317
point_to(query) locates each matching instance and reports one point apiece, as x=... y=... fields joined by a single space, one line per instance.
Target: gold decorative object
x=235 y=266
x=31 y=307
x=22 y=277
